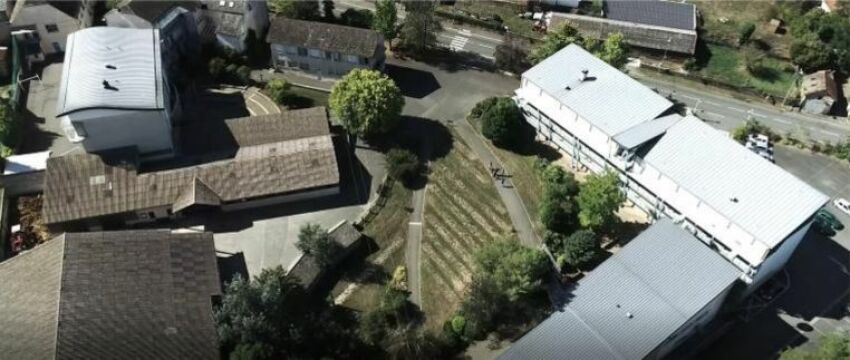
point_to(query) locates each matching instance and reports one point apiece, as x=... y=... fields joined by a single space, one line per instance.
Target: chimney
x=584 y=75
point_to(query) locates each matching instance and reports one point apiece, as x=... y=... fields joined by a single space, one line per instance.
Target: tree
x=557 y=206
x=268 y=313
x=833 y=346
x=313 y=240
x=402 y=164
x=252 y=352
x=367 y=102
x=420 y=27
x=745 y=32
x=810 y=53
x=517 y=270
x=328 y=10
x=381 y=324
x=598 y=200
x=216 y=67
x=512 y=55
x=386 y=17
x=481 y=107
x=580 y=249
x=501 y=122
x=614 y=50
x=295 y=9
x=399 y=279
x=357 y=18
x=554 y=42
x=277 y=89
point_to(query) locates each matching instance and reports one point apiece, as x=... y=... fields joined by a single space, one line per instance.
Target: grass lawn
x=723 y=20
x=388 y=230
x=506 y=11
x=463 y=211
x=725 y=64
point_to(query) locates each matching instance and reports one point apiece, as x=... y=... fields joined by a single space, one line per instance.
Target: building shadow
x=453 y=61
x=36 y=138
x=817 y=276
x=203 y=129
x=230 y=265
x=412 y=82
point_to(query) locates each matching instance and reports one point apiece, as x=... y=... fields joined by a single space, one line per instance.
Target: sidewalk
x=516 y=208
x=306 y=81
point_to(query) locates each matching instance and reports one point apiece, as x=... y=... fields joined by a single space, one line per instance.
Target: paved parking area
x=42 y=129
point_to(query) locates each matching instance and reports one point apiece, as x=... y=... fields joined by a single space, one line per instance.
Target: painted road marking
x=736 y=109
x=251 y=98
x=714 y=114
x=458 y=42
x=469 y=33
x=415 y=223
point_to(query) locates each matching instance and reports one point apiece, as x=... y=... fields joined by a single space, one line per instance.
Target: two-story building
x=748 y=209
x=324 y=50
x=231 y=23
x=113 y=92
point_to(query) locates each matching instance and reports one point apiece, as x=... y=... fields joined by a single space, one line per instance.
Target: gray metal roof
x=635 y=34
x=610 y=100
x=127 y=59
x=771 y=202
x=646 y=131
x=677 y=15
x=663 y=277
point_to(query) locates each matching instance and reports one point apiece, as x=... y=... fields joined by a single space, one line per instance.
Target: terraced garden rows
x=462 y=212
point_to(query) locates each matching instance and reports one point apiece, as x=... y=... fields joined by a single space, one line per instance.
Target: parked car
x=842 y=204
x=760 y=144
x=826 y=223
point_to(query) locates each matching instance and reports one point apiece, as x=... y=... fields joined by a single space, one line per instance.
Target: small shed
x=308 y=271
x=818 y=92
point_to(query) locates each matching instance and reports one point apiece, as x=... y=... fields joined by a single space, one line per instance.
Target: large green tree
x=314 y=240
x=296 y=9
x=558 y=211
x=821 y=41
x=420 y=26
x=367 y=102
x=614 y=50
x=385 y=20
x=502 y=122
x=266 y=315
x=580 y=249
x=598 y=200
x=555 y=41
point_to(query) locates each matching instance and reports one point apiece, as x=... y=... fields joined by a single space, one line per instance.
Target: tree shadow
x=702 y=54
x=527 y=145
x=412 y=82
x=37 y=139
x=452 y=61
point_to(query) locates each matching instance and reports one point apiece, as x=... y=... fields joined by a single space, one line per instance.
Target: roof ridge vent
x=111 y=67
x=108 y=86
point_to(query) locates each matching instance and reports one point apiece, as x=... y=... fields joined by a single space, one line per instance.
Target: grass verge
x=725 y=64
x=506 y=11
x=387 y=233
x=462 y=212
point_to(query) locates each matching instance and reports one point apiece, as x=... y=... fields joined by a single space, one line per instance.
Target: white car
x=842 y=204
x=759 y=140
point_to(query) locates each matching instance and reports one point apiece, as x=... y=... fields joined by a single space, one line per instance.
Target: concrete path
x=413 y=252
x=516 y=208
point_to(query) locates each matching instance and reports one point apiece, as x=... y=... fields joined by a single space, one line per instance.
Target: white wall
x=112 y=128
x=779 y=258
x=693 y=325
x=274 y=200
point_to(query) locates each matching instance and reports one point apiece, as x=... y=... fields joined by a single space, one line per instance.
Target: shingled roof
x=109 y=295
x=324 y=36
x=85 y=186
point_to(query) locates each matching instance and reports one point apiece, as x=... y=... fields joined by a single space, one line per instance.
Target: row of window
x=327 y=55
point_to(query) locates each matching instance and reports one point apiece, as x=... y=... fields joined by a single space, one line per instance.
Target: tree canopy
x=296 y=9
x=558 y=209
x=420 y=26
x=315 y=241
x=578 y=250
x=367 y=102
x=598 y=200
x=402 y=164
x=386 y=18
x=361 y=18
x=613 y=50
x=501 y=122
x=821 y=41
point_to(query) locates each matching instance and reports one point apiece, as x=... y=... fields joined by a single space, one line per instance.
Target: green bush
x=402 y=164
x=482 y=106
x=243 y=73
x=581 y=249
x=277 y=90
x=502 y=122
x=458 y=324
x=745 y=32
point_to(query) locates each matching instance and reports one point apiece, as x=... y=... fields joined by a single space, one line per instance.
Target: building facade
x=324 y=50
x=114 y=92
x=231 y=24
x=754 y=215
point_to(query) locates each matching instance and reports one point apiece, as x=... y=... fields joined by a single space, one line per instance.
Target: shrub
x=598 y=200
x=482 y=106
x=458 y=324
x=402 y=164
x=745 y=32
x=399 y=279
x=501 y=122
x=243 y=74
x=216 y=67
x=580 y=249
x=277 y=90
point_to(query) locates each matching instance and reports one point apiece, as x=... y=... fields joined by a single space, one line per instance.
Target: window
x=364 y=61
x=80 y=129
x=302 y=51
x=314 y=53
x=337 y=56
x=304 y=66
x=51 y=28
x=328 y=55
x=352 y=59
